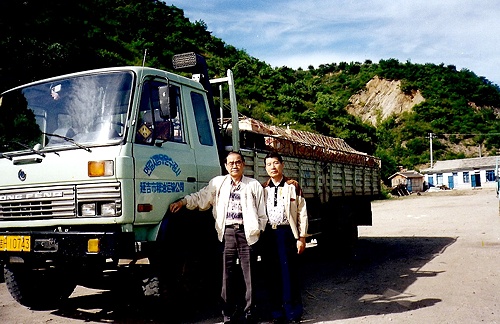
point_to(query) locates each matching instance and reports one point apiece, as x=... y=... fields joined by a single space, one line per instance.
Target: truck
x=91 y=161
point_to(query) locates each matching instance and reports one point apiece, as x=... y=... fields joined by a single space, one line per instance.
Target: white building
x=463 y=173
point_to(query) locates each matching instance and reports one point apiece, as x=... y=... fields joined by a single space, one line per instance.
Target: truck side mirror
x=168 y=102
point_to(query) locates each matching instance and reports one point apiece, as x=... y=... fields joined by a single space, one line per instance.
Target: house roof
x=408 y=174
x=463 y=164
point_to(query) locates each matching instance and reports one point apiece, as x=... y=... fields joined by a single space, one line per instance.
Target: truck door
x=204 y=143
x=165 y=166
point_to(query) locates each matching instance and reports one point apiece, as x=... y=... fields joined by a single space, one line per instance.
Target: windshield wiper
x=69 y=139
x=29 y=148
x=3 y=155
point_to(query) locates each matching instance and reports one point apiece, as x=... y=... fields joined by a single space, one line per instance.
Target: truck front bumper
x=45 y=245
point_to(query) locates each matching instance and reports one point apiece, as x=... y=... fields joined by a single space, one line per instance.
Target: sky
x=300 y=33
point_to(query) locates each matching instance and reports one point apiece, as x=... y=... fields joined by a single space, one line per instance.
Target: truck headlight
x=89 y=209
x=100 y=168
x=108 y=209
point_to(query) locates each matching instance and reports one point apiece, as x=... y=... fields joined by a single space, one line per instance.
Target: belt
x=276 y=226
x=235 y=226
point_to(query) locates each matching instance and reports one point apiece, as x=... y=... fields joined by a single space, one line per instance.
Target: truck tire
x=339 y=233
x=38 y=289
x=348 y=237
x=347 y=232
x=188 y=261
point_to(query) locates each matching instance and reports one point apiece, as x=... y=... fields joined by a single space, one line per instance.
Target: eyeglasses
x=235 y=163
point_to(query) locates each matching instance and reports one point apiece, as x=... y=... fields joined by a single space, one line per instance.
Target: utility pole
x=430 y=138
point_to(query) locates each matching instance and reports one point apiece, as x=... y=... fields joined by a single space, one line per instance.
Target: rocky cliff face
x=382 y=99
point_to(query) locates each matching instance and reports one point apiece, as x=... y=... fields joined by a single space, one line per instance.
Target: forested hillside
x=45 y=38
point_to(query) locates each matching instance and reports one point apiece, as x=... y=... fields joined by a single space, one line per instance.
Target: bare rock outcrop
x=382 y=99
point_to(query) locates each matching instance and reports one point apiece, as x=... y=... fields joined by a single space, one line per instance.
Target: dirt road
x=432 y=258
x=428 y=259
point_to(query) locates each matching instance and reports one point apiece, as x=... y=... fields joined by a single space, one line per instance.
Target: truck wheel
x=339 y=234
x=188 y=269
x=38 y=289
x=349 y=238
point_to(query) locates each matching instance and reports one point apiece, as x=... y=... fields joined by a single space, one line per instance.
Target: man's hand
x=301 y=245
x=176 y=206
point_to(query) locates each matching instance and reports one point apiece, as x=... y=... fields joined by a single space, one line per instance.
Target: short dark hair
x=235 y=152
x=273 y=155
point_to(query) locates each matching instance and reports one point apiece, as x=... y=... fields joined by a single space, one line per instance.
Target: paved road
x=432 y=258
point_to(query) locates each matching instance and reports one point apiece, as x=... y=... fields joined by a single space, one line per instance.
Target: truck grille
x=54 y=202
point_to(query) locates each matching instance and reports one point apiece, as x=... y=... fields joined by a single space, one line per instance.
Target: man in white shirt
x=240 y=216
x=284 y=239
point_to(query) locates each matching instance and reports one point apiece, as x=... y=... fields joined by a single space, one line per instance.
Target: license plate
x=15 y=243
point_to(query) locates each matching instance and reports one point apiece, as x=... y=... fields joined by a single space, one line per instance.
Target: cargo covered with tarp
x=255 y=134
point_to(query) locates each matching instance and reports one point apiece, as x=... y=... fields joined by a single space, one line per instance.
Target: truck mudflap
x=65 y=245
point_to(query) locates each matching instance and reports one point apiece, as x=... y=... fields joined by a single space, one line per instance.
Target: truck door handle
x=191 y=179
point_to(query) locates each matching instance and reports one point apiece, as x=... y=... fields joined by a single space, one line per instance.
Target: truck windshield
x=80 y=111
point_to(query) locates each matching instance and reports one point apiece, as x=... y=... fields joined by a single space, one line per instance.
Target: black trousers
x=236 y=248
x=282 y=267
